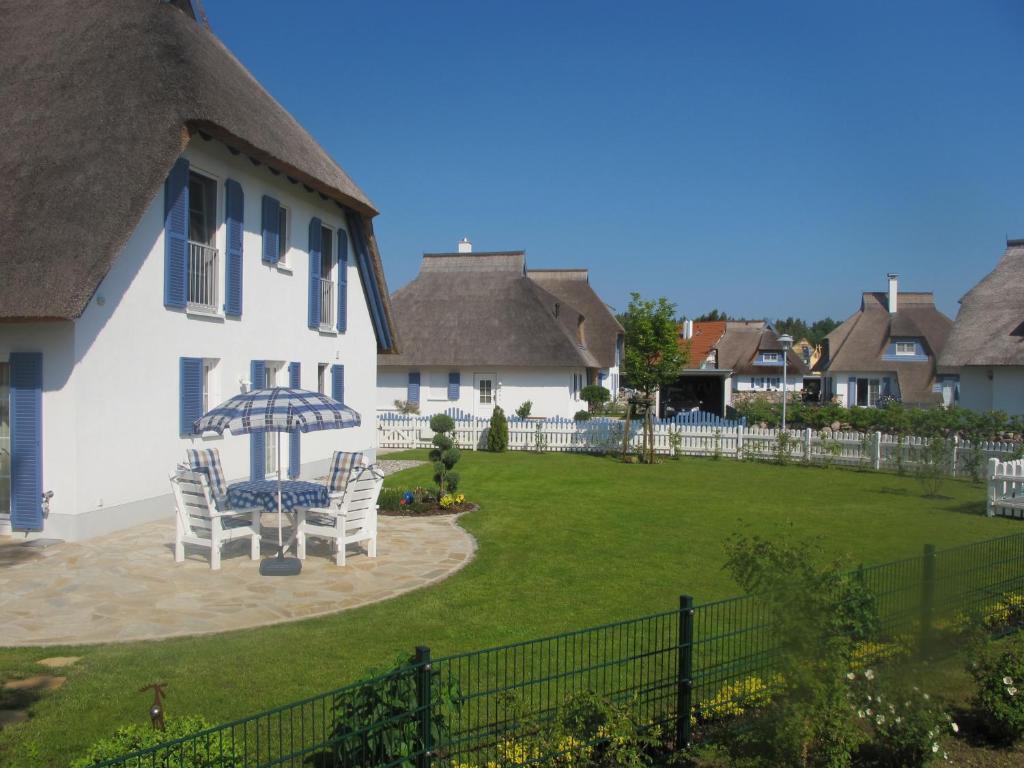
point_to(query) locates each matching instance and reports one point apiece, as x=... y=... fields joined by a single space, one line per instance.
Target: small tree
x=445 y=454
x=497 y=434
x=594 y=395
x=653 y=357
x=523 y=411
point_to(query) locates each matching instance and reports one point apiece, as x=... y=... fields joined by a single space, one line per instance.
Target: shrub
x=407 y=406
x=1000 y=695
x=523 y=411
x=202 y=753
x=444 y=454
x=906 y=727
x=390 y=499
x=497 y=433
x=934 y=461
x=581 y=416
x=594 y=395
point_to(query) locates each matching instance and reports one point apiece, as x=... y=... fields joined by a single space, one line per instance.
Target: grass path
x=566 y=541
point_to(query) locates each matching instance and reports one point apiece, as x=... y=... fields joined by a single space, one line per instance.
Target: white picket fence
x=1006 y=488
x=872 y=450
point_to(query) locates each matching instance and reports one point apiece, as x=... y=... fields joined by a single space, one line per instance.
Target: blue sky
x=765 y=158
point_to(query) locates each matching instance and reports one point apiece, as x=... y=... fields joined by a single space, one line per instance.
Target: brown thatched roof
x=860 y=341
x=739 y=345
x=572 y=287
x=98 y=100
x=989 y=328
x=482 y=309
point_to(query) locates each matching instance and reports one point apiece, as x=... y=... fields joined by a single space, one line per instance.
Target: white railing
x=203 y=274
x=1005 y=488
x=326 y=303
x=869 y=450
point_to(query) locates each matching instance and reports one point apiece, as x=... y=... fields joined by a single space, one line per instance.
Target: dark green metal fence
x=688 y=665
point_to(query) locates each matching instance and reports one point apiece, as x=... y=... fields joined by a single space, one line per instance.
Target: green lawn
x=565 y=541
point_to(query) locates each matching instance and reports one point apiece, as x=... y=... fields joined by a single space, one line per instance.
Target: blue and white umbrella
x=277 y=409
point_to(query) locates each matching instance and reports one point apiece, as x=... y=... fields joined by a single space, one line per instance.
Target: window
x=326 y=253
x=283 y=233
x=321 y=378
x=577 y=385
x=486 y=392
x=5 y=438
x=270 y=443
x=203 y=265
x=775 y=382
x=906 y=348
x=327 y=299
x=867 y=392
x=771 y=357
x=202 y=209
x=211 y=394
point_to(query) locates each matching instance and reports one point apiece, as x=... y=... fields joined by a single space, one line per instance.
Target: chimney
x=465 y=246
x=893 y=292
x=687 y=329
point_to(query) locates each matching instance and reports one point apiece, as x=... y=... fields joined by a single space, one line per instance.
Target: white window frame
x=489 y=395
x=321 y=377
x=284 y=243
x=271 y=458
x=906 y=352
x=211 y=384
x=5 y=438
x=771 y=357
x=219 y=217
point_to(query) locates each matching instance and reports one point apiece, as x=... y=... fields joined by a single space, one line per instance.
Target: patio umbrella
x=277 y=409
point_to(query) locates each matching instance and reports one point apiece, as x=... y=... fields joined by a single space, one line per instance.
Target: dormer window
x=771 y=357
x=906 y=348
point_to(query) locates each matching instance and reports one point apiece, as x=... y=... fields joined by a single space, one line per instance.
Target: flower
x=860 y=713
x=880 y=719
x=955 y=727
x=1012 y=691
x=1007 y=680
x=869 y=674
x=851 y=676
x=935 y=747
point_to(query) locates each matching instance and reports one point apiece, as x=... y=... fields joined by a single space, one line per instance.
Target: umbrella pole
x=280 y=539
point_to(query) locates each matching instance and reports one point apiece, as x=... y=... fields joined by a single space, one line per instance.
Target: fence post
x=927 y=597
x=956 y=452
x=424 y=704
x=878 y=450
x=684 y=672
x=807 y=445
x=739 y=441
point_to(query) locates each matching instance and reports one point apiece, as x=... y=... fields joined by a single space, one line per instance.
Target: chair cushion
x=207 y=461
x=342 y=464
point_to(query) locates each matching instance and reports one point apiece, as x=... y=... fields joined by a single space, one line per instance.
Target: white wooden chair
x=200 y=523
x=350 y=519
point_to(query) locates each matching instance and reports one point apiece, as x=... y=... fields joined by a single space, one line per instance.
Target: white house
x=986 y=345
x=154 y=264
x=480 y=329
x=890 y=346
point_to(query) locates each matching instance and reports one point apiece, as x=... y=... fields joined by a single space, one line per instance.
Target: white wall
x=549 y=389
x=1004 y=391
x=111 y=431
x=746 y=383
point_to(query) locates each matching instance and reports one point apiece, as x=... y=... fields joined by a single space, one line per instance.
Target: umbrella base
x=280 y=566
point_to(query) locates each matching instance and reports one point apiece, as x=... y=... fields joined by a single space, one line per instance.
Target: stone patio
x=127 y=587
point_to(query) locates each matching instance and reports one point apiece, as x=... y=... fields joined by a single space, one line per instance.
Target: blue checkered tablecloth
x=295 y=495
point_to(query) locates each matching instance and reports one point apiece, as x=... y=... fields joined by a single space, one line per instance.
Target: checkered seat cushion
x=207 y=461
x=342 y=464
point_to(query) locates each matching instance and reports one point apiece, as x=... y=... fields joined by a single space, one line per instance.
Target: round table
x=296 y=495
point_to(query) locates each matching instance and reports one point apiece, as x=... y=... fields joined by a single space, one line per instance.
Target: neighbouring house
x=889 y=347
x=480 y=329
x=169 y=236
x=986 y=345
x=728 y=359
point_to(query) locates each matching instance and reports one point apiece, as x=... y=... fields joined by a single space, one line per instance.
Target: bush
x=523 y=411
x=497 y=433
x=581 y=416
x=407 y=407
x=906 y=727
x=202 y=753
x=1000 y=695
x=444 y=455
x=594 y=395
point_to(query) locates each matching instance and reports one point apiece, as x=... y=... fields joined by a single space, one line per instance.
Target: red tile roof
x=705 y=337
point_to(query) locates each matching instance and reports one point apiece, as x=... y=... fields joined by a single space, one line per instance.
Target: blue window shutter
x=294 y=381
x=342 y=281
x=413 y=393
x=271 y=229
x=234 y=216
x=26 y=441
x=453 y=385
x=315 y=236
x=338 y=383
x=176 y=235
x=257 y=440
x=190 y=393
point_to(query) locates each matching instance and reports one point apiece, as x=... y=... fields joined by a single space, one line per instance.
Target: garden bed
x=429 y=510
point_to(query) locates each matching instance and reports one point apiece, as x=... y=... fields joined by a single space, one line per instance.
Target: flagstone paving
x=126 y=586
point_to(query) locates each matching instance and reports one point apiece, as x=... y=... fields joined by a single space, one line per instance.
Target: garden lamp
x=786 y=341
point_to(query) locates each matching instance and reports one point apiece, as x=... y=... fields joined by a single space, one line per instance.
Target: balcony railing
x=326 y=303
x=203 y=273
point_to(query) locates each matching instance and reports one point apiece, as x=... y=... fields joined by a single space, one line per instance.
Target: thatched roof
x=989 y=328
x=98 y=100
x=572 y=287
x=483 y=309
x=743 y=339
x=859 y=343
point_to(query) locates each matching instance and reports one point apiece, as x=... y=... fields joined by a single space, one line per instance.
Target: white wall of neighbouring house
x=996 y=388
x=550 y=389
x=111 y=378
x=767 y=383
